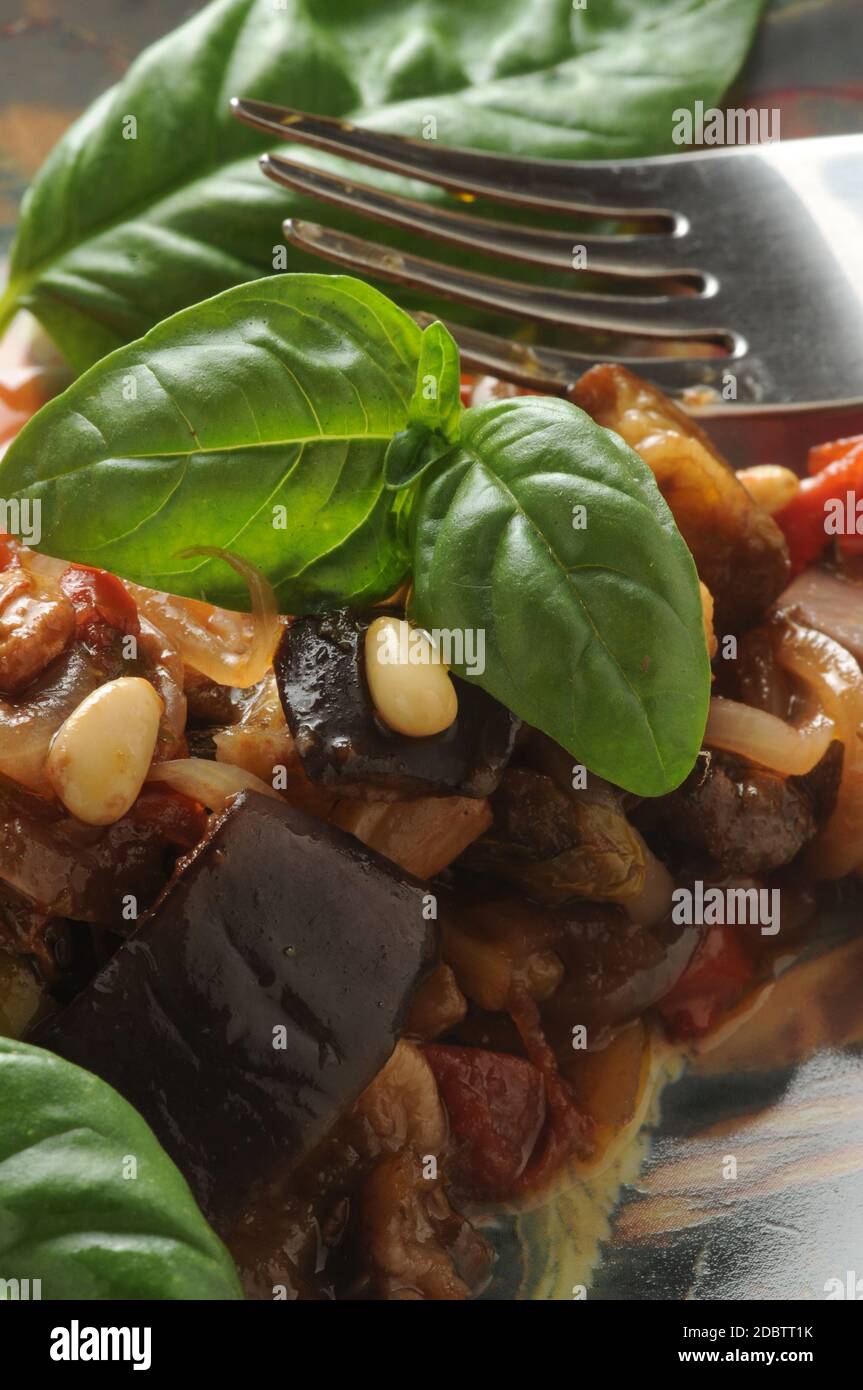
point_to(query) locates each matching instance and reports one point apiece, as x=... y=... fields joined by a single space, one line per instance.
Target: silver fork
x=764 y=245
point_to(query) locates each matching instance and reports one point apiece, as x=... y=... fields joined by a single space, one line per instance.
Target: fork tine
x=742 y=432
x=661 y=317
x=655 y=255
x=624 y=190
x=553 y=370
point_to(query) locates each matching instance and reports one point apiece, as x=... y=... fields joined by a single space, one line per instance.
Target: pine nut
x=410 y=686
x=770 y=485
x=100 y=756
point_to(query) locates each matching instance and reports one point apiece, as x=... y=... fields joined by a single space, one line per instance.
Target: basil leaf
x=548 y=534
x=153 y=199
x=90 y=1204
x=434 y=412
x=255 y=422
x=436 y=402
x=411 y=452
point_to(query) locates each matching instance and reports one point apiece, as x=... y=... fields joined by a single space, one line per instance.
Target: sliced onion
x=45 y=566
x=24 y=744
x=28 y=725
x=837 y=682
x=164 y=668
x=763 y=738
x=829 y=604
x=229 y=648
x=260 y=740
x=213 y=784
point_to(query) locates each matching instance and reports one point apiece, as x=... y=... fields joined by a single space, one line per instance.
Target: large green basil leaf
x=549 y=535
x=90 y=1204
x=153 y=199
x=258 y=422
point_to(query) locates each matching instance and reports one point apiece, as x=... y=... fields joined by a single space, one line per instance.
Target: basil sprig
x=549 y=534
x=256 y=422
x=308 y=424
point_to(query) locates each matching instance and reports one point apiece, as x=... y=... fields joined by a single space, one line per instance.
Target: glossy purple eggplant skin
x=320 y=673
x=276 y=921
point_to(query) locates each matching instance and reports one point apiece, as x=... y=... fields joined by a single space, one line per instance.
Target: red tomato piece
x=10 y=551
x=496 y=1106
x=718 y=975
x=103 y=605
x=803 y=519
x=831 y=452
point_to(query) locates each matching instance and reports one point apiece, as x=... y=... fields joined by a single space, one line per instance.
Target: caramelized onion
x=213 y=784
x=229 y=648
x=764 y=739
x=24 y=743
x=47 y=566
x=164 y=669
x=28 y=725
x=829 y=604
x=260 y=740
x=837 y=682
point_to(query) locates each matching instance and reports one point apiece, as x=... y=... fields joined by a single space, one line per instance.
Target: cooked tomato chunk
x=496 y=1106
x=716 y=978
x=102 y=603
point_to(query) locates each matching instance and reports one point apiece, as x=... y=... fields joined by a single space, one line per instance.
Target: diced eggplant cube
x=257 y=1000
x=320 y=673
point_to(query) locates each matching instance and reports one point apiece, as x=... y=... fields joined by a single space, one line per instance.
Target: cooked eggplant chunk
x=320 y=670
x=263 y=993
x=738 y=548
x=748 y=819
x=557 y=845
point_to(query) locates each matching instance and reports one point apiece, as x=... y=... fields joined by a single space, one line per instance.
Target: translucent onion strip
x=213 y=784
x=765 y=739
x=837 y=682
x=830 y=604
x=164 y=669
x=28 y=725
x=229 y=648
